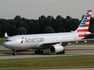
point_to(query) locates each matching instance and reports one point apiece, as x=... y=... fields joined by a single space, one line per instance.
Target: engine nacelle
x=57 y=48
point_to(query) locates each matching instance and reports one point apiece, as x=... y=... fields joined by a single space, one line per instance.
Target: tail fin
x=6 y=35
x=84 y=25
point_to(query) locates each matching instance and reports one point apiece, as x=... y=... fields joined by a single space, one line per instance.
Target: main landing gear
x=39 y=52
x=63 y=52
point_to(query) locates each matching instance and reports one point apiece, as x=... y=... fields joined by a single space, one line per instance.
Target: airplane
x=56 y=42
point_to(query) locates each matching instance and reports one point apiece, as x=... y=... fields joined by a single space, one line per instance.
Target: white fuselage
x=35 y=41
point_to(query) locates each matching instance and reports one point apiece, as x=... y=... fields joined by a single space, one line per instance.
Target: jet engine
x=57 y=48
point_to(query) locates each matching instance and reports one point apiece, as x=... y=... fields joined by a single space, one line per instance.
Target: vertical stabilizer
x=84 y=25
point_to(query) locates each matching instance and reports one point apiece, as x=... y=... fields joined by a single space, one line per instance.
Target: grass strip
x=47 y=50
x=85 y=61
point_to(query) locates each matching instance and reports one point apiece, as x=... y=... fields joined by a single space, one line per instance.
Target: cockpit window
x=8 y=40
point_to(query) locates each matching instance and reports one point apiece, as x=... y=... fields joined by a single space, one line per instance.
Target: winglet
x=6 y=35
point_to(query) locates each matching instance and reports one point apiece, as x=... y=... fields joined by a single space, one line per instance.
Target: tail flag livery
x=84 y=25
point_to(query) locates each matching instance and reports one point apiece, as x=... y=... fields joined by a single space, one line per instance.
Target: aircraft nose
x=5 y=44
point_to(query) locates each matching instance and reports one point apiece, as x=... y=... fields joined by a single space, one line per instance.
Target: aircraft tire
x=63 y=52
x=36 y=52
x=15 y=54
x=58 y=53
x=41 y=52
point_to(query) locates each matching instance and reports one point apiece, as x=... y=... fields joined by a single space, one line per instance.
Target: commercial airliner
x=56 y=42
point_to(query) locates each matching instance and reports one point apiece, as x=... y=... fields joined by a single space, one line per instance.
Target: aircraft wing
x=87 y=39
x=64 y=42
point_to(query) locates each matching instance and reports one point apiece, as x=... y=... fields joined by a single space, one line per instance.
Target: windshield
x=8 y=41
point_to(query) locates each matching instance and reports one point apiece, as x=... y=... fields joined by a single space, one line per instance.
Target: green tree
x=22 y=30
x=42 y=17
x=0 y=30
x=17 y=17
x=12 y=30
x=59 y=17
x=4 y=24
x=91 y=28
x=42 y=22
x=49 y=30
x=74 y=24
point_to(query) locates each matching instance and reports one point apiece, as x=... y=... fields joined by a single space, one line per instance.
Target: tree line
x=49 y=24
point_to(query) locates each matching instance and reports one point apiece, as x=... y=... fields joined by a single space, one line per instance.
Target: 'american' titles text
x=35 y=39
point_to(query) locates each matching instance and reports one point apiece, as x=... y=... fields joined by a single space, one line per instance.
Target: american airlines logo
x=35 y=39
x=22 y=40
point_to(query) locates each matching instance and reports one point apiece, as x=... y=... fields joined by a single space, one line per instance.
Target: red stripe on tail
x=82 y=30
x=90 y=11
x=81 y=35
x=89 y=15
x=88 y=20
x=86 y=25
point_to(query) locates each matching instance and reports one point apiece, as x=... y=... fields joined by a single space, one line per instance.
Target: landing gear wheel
x=41 y=52
x=63 y=52
x=58 y=53
x=15 y=54
x=38 y=52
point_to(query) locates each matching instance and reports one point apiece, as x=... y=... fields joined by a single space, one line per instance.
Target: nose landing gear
x=14 y=52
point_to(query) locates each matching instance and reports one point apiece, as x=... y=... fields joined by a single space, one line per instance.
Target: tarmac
x=48 y=54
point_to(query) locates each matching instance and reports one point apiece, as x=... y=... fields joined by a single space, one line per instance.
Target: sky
x=33 y=9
